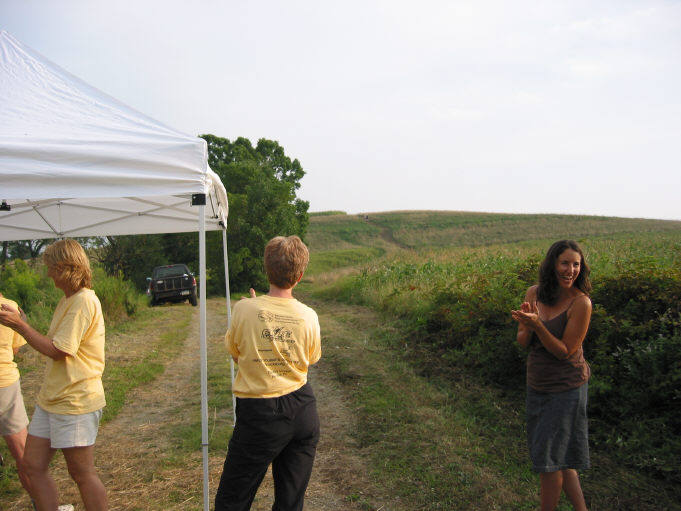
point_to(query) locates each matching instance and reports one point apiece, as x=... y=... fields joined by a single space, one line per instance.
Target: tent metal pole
x=229 y=315
x=204 y=353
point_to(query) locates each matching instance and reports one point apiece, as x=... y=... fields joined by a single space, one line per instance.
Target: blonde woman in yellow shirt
x=71 y=399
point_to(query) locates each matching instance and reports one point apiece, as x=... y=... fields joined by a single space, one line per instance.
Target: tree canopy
x=261 y=185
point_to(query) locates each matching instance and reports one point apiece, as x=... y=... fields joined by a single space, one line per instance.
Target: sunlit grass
x=466 y=270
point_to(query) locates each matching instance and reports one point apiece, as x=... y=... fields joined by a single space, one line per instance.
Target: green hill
x=445 y=283
x=431 y=229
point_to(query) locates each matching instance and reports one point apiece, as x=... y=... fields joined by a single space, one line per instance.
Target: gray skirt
x=557 y=429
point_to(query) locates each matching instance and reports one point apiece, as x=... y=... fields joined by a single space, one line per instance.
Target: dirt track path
x=134 y=454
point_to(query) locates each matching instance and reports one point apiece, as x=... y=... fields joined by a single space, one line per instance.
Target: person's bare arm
x=579 y=317
x=15 y=320
x=525 y=329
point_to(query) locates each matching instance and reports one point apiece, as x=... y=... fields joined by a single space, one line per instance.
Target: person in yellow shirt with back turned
x=274 y=338
x=71 y=399
x=13 y=418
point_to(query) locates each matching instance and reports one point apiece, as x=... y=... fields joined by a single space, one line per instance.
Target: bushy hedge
x=634 y=346
x=460 y=312
x=33 y=290
x=36 y=294
x=120 y=298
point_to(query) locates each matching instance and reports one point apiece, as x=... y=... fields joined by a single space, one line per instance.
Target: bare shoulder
x=531 y=294
x=582 y=302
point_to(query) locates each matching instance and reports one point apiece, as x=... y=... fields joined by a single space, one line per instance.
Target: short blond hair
x=285 y=260
x=69 y=258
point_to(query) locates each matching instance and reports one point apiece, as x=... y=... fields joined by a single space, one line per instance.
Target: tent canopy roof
x=77 y=162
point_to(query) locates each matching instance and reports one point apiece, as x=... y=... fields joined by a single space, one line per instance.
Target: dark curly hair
x=547 y=291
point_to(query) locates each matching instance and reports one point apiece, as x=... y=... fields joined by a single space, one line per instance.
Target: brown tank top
x=545 y=372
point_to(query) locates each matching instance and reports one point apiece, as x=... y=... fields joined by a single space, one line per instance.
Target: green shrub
x=458 y=311
x=119 y=298
x=470 y=323
x=634 y=343
x=33 y=290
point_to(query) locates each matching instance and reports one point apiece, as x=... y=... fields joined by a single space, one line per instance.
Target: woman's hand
x=11 y=317
x=251 y=292
x=16 y=320
x=528 y=315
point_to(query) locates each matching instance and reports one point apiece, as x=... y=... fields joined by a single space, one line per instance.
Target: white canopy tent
x=75 y=162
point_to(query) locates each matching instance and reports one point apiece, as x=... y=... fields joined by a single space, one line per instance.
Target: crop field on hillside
x=430 y=229
x=450 y=279
x=421 y=383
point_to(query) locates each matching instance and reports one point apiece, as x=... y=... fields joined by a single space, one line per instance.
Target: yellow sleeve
x=72 y=328
x=230 y=345
x=316 y=346
x=17 y=341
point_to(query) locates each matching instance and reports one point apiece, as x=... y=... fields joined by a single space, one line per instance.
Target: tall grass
x=33 y=291
x=455 y=304
x=120 y=299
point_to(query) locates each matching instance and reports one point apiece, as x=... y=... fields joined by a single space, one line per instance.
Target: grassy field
x=434 y=432
x=429 y=417
x=431 y=229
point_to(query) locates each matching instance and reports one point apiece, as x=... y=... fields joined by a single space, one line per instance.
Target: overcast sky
x=563 y=106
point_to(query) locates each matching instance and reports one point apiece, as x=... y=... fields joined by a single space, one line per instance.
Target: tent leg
x=204 y=354
x=229 y=315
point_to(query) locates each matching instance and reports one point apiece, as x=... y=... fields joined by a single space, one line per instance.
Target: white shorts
x=65 y=431
x=13 y=416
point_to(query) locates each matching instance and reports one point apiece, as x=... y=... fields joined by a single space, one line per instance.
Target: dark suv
x=171 y=283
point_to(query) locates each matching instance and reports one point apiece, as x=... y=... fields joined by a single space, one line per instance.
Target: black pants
x=283 y=431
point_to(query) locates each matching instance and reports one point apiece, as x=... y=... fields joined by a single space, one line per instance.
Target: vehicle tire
x=193 y=300
x=152 y=301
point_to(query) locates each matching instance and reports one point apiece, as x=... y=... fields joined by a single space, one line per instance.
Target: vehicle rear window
x=173 y=271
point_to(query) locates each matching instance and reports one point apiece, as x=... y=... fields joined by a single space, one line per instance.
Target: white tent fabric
x=73 y=159
x=75 y=162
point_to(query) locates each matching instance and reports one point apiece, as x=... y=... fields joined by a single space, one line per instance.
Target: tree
x=261 y=185
x=132 y=256
x=23 y=249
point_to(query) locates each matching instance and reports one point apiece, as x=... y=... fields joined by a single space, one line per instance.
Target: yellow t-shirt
x=274 y=340
x=73 y=385
x=9 y=340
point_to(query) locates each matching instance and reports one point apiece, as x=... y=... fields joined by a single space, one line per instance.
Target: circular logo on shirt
x=265 y=316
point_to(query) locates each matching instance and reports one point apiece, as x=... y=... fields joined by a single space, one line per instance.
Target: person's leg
x=14 y=427
x=291 y=471
x=240 y=479
x=573 y=489
x=292 y=468
x=80 y=462
x=551 y=484
x=259 y=435
x=37 y=456
x=16 y=443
